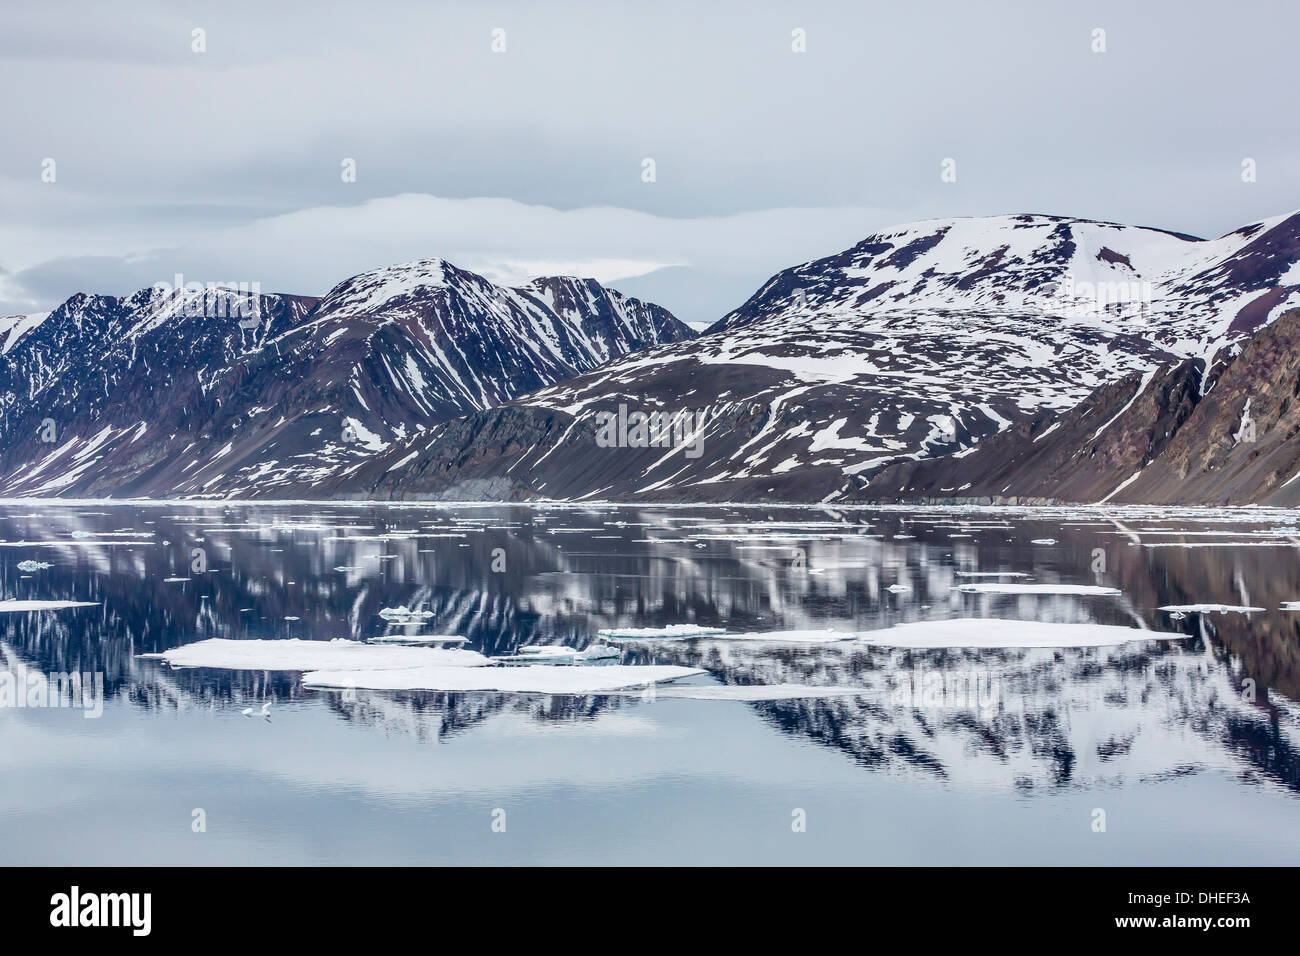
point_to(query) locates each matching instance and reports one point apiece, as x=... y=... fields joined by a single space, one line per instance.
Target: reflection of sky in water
x=1152 y=732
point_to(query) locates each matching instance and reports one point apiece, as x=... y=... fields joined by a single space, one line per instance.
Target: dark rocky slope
x=168 y=394
x=1151 y=438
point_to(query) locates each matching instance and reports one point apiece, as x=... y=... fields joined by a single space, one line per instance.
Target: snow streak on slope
x=226 y=393
x=917 y=342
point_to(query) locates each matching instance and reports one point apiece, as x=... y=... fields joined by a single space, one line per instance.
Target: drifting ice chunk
x=1207 y=608
x=15 y=606
x=1000 y=588
x=671 y=632
x=557 y=654
x=300 y=655
x=418 y=640
x=538 y=679
x=790 y=637
x=405 y=614
x=982 y=632
x=756 y=692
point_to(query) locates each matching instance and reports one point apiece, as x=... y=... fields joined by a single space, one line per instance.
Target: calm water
x=1188 y=746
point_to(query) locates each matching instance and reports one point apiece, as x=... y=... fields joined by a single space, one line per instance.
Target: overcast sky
x=226 y=164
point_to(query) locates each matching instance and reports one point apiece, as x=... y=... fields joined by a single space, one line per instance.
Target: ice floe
x=789 y=637
x=1207 y=608
x=417 y=640
x=16 y=606
x=984 y=632
x=295 y=654
x=758 y=692
x=559 y=654
x=405 y=614
x=671 y=632
x=1002 y=588
x=536 y=679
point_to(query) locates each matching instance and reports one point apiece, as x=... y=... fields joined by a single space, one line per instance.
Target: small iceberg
x=789 y=637
x=1000 y=588
x=295 y=654
x=990 y=633
x=16 y=606
x=673 y=632
x=1208 y=608
x=760 y=692
x=574 y=681
x=405 y=614
x=418 y=640
x=558 y=655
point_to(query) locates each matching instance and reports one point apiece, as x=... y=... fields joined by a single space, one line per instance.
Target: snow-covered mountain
x=917 y=342
x=221 y=392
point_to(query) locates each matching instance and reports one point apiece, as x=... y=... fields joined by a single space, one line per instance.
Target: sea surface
x=1177 y=746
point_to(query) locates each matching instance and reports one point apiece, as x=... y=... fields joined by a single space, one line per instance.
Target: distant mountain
x=223 y=392
x=917 y=343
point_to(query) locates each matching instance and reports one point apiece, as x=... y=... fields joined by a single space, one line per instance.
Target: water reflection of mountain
x=1065 y=718
x=1068 y=718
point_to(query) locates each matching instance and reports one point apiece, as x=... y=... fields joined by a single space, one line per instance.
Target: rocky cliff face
x=940 y=360
x=227 y=393
x=1164 y=437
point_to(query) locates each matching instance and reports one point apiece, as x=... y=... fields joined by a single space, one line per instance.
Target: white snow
x=758 y=692
x=997 y=633
x=1208 y=608
x=15 y=606
x=299 y=655
x=789 y=637
x=535 y=679
x=1006 y=588
x=671 y=632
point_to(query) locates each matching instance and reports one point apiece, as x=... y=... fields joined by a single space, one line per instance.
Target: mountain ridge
x=248 y=392
x=909 y=346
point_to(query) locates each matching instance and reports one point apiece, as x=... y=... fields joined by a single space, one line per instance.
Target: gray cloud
x=158 y=148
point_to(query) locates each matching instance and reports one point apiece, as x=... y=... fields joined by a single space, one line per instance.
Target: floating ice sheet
x=789 y=637
x=1207 y=608
x=758 y=692
x=299 y=655
x=15 y=606
x=1000 y=587
x=671 y=632
x=986 y=632
x=535 y=679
